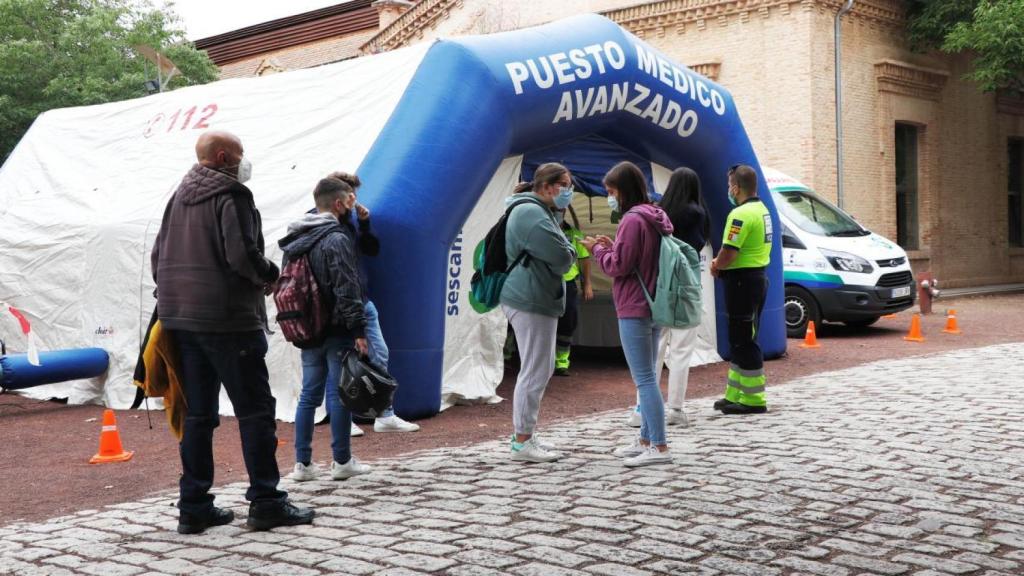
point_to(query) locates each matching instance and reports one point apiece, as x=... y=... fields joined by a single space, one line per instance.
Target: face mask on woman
x=563 y=198
x=613 y=203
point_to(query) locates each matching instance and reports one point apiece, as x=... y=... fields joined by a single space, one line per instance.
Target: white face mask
x=613 y=203
x=244 y=170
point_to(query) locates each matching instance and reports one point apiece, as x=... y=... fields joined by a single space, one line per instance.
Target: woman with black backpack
x=533 y=296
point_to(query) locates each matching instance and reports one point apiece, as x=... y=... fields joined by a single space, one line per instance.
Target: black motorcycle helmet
x=365 y=389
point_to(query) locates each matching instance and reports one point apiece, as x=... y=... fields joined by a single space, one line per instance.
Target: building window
x=1015 y=191
x=906 y=186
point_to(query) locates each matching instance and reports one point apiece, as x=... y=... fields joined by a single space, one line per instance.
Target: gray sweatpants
x=535 y=338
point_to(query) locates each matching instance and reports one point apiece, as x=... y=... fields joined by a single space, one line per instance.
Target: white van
x=834 y=269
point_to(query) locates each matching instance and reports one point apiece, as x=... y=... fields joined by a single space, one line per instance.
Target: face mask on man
x=732 y=199
x=563 y=198
x=244 y=170
x=613 y=203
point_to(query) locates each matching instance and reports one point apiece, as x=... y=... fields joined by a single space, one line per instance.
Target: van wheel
x=862 y=323
x=800 y=308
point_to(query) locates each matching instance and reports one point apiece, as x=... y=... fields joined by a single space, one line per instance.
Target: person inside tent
x=580 y=270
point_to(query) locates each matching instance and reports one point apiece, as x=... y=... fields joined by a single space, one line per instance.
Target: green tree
x=991 y=30
x=59 y=53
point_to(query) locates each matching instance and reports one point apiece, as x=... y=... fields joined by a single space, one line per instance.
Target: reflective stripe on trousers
x=745 y=386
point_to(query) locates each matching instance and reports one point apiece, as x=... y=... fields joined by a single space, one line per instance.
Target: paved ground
x=900 y=467
x=52 y=443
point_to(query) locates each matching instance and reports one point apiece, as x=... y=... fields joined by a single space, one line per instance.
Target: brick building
x=930 y=161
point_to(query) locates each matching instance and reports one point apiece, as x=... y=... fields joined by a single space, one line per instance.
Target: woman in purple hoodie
x=631 y=257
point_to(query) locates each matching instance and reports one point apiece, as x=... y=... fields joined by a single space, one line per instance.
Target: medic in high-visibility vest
x=740 y=264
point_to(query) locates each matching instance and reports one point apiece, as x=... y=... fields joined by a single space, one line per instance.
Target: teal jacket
x=536 y=284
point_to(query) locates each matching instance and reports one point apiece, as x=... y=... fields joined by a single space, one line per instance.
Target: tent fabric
x=82 y=195
x=426 y=128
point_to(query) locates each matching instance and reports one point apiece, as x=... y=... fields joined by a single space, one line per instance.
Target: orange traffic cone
x=810 y=338
x=110 y=442
x=915 y=330
x=951 y=326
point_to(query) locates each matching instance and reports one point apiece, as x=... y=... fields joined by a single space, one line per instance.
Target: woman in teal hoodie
x=533 y=296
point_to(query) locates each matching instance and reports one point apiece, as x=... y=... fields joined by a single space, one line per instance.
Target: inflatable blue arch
x=475 y=101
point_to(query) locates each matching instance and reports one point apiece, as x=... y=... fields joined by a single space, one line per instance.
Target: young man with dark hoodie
x=328 y=238
x=212 y=278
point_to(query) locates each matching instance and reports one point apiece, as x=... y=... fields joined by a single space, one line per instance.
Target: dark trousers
x=745 y=291
x=238 y=361
x=571 y=318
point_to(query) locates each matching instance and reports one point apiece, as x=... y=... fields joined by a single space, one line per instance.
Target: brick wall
x=304 y=56
x=776 y=58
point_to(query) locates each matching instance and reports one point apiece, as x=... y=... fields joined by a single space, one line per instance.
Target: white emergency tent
x=82 y=195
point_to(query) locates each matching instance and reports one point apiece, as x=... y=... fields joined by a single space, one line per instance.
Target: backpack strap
x=524 y=256
x=636 y=271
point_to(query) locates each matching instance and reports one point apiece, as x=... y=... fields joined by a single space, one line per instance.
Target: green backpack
x=678 y=292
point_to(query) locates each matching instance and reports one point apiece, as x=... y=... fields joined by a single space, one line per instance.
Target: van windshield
x=816 y=216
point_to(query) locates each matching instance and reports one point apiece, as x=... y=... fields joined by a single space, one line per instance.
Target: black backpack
x=491 y=263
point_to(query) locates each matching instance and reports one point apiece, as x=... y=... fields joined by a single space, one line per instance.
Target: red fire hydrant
x=927 y=290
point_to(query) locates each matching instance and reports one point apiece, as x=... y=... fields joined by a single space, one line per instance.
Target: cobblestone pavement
x=900 y=467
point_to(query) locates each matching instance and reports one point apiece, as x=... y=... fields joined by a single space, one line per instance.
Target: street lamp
x=165 y=68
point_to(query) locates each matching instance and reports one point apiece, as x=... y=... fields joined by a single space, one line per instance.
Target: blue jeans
x=639 y=338
x=378 y=347
x=321 y=372
x=238 y=361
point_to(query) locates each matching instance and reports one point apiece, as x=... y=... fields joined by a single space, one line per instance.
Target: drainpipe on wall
x=839 y=107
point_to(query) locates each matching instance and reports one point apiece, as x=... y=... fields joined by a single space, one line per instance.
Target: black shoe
x=743 y=409
x=722 y=403
x=192 y=524
x=561 y=372
x=267 y=515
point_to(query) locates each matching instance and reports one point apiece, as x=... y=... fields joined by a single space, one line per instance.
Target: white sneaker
x=394 y=424
x=303 y=473
x=544 y=445
x=348 y=469
x=529 y=451
x=648 y=457
x=675 y=417
x=356 y=430
x=634 y=449
x=634 y=420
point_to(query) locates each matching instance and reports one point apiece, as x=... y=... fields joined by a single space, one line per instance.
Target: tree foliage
x=991 y=30
x=58 y=53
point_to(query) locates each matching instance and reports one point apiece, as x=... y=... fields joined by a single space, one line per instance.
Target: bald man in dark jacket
x=212 y=277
